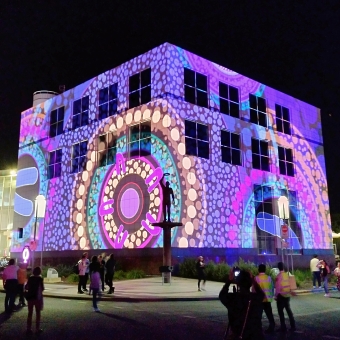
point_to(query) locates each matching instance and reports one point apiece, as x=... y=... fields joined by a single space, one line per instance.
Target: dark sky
x=292 y=46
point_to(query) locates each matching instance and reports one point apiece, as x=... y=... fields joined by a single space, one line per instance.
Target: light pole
x=283 y=205
x=40 y=208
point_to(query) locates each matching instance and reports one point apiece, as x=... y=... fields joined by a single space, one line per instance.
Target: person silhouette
x=167 y=193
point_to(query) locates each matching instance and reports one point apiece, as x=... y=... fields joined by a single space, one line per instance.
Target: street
x=316 y=317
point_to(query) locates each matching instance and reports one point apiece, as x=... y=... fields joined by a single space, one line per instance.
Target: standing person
x=337 y=274
x=87 y=271
x=244 y=307
x=22 y=278
x=325 y=271
x=166 y=203
x=266 y=284
x=82 y=266
x=110 y=271
x=315 y=270
x=94 y=281
x=10 y=283
x=200 y=267
x=102 y=270
x=282 y=297
x=34 y=294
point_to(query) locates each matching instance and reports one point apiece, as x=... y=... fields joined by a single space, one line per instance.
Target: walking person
x=315 y=270
x=282 y=297
x=266 y=284
x=102 y=270
x=110 y=271
x=87 y=271
x=95 y=281
x=34 y=295
x=200 y=268
x=22 y=279
x=10 y=283
x=325 y=271
x=82 y=266
x=337 y=274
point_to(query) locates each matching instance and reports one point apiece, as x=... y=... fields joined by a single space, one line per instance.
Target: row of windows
x=196 y=144
x=195 y=92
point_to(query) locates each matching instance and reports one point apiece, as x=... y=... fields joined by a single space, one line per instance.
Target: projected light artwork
x=118 y=133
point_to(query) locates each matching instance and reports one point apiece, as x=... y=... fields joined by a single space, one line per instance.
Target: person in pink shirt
x=10 y=282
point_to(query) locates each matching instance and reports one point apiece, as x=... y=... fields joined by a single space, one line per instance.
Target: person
x=337 y=274
x=282 y=297
x=266 y=284
x=94 y=281
x=22 y=278
x=166 y=203
x=244 y=307
x=10 y=283
x=102 y=270
x=200 y=268
x=87 y=271
x=110 y=271
x=325 y=271
x=34 y=295
x=82 y=266
x=315 y=270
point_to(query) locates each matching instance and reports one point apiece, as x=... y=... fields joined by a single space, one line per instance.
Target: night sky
x=292 y=46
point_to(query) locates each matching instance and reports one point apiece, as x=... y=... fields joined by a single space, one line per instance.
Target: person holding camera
x=244 y=307
x=200 y=267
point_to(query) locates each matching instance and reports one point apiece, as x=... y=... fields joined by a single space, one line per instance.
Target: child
x=33 y=292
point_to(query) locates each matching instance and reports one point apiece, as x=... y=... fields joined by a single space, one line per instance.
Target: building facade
x=7 y=191
x=229 y=146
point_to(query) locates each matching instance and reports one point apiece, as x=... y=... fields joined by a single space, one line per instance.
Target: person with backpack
x=34 y=296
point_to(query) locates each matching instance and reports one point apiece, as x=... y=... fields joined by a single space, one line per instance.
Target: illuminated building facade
x=231 y=145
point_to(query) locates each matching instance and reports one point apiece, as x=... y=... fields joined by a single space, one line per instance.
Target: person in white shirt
x=315 y=270
x=82 y=266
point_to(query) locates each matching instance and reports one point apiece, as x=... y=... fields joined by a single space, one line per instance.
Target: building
x=7 y=191
x=230 y=145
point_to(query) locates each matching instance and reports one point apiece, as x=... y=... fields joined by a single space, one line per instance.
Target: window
x=265 y=219
x=230 y=148
x=229 y=100
x=108 y=101
x=286 y=163
x=196 y=139
x=140 y=139
x=195 y=88
x=80 y=112
x=79 y=157
x=107 y=149
x=56 y=122
x=54 y=165
x=140 y=88
x=260 y=154
x=282 y=119
x=258 y=113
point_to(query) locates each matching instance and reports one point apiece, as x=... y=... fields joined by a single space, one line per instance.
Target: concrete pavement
x=148 y=289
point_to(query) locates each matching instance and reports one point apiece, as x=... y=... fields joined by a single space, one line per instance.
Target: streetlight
x=40 y=207
x=283 y=205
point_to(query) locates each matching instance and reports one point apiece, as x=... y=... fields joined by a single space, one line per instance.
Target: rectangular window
x=282 y=119
x=195 y=88
x=196 y=139
x=230 y=147
x=260 y=154
x=258 y=114
x=140 y=139
x=265 y=210
x=140 y=88
x=57 y=122
x=229 y=100
x=286 y=163
x=80 y=112
x=107 y=104
x=107 y=149
x=78 y=160
x=54 y=164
